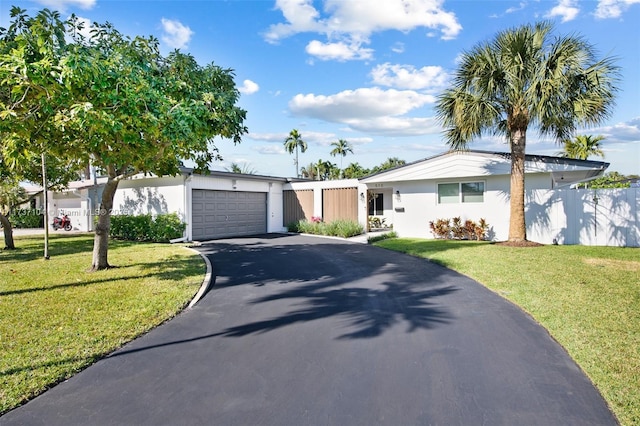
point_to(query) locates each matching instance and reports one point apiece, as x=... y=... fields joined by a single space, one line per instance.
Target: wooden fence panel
x=340 y=203
x=298 y=205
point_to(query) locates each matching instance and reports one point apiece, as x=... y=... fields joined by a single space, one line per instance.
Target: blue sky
x=367 y=71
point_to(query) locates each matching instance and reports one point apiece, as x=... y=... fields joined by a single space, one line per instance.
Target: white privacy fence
x=602 y=217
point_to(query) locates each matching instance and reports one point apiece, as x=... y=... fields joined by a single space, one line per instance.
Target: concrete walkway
x=314 y=331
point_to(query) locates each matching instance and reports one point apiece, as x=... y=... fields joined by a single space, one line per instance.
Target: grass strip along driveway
x=57 y=318
x=587 y=297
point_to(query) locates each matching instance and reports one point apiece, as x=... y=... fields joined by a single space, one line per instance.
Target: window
x=472 y=192
x=465 y=192
x=448 y=193
x=376 y=205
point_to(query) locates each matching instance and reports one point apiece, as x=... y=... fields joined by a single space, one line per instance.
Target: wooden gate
x=298 y=205
x=340 y=203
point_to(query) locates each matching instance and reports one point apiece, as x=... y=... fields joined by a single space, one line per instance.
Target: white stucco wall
x=150 y=195
x=417 y=204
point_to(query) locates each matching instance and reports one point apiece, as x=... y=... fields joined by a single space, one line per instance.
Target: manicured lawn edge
x=586 y=297
x=56 y=318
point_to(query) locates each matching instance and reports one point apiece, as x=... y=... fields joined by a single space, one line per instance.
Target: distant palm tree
x=342 y=148
x=293 y=143
x=520 y=80
x=309 y=171
x=389 y=163
x=245 y=169
x=582 y=147
x=354 y=171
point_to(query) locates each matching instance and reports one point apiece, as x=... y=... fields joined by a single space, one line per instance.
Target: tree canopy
x=111 y=100
x=582 y=147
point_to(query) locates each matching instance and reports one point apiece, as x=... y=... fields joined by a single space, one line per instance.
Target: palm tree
x=519 y=80
x=294 y=142
x=245 y=169
x=342 y=148
x=354 y=171
x=582 y=147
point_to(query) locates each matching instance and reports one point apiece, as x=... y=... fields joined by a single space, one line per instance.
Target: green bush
x=337 y=228
x=144 y=227
x=385 y=236
x=26 y=218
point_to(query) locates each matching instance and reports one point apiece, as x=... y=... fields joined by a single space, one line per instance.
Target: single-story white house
x=466 y=184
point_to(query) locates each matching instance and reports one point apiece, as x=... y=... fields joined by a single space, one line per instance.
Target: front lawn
x=56 y=318
x=587 y=297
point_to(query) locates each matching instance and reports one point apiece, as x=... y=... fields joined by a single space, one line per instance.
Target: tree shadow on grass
x=32 y=247
x=175 y=268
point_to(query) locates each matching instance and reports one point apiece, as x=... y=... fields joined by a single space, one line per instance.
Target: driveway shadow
x=370 y=289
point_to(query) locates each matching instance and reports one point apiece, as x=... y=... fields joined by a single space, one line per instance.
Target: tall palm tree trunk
x=517 y=225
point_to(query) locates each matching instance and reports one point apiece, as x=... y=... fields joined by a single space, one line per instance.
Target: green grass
x=56 y=318
x=587 y=297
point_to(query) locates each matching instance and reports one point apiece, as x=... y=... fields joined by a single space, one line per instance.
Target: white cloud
x=176 y=35
x=621 y=132
x=301 y=17
x=398 y=47
x=397 y=126
x=408 y=77
x=521 y=6
x=338 y=51
x=566 y=9
x=61 y=5
x=349 y=24
x=369 y=110
x=358 y=104
x=248 y=87
x=271 y=149
x=613 y=8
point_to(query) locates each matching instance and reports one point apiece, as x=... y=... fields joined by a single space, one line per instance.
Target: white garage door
x=219 y=214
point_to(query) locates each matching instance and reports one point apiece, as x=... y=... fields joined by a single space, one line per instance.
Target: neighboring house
x=466 y=184
x=217 y=205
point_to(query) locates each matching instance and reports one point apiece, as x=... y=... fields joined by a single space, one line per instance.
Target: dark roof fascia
x=506 y=155
x=217 y=173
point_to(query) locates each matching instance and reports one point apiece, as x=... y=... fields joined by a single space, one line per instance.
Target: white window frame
x=460 y=195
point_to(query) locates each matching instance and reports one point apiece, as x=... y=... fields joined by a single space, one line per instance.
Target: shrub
x=26 y=218
x=450 y=229
x=386 y=236
x=337 y=228
x=145 y=228
x=441 y=228
x=293 y=227
x=166 y=227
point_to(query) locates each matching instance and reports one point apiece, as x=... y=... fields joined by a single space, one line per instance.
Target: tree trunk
x=8 y=233
x=101 y=239
x=517 y=225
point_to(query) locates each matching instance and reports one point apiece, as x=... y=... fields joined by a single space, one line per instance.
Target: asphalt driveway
x=311 y=331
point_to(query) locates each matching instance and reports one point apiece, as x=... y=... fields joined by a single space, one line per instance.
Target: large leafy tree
x=524 y=79
x=341 y=147
x=31 y=94
x=127 y=109
x=294 y=143
x=582 y=147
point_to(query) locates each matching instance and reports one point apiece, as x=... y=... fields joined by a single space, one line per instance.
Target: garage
x=220 y=214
